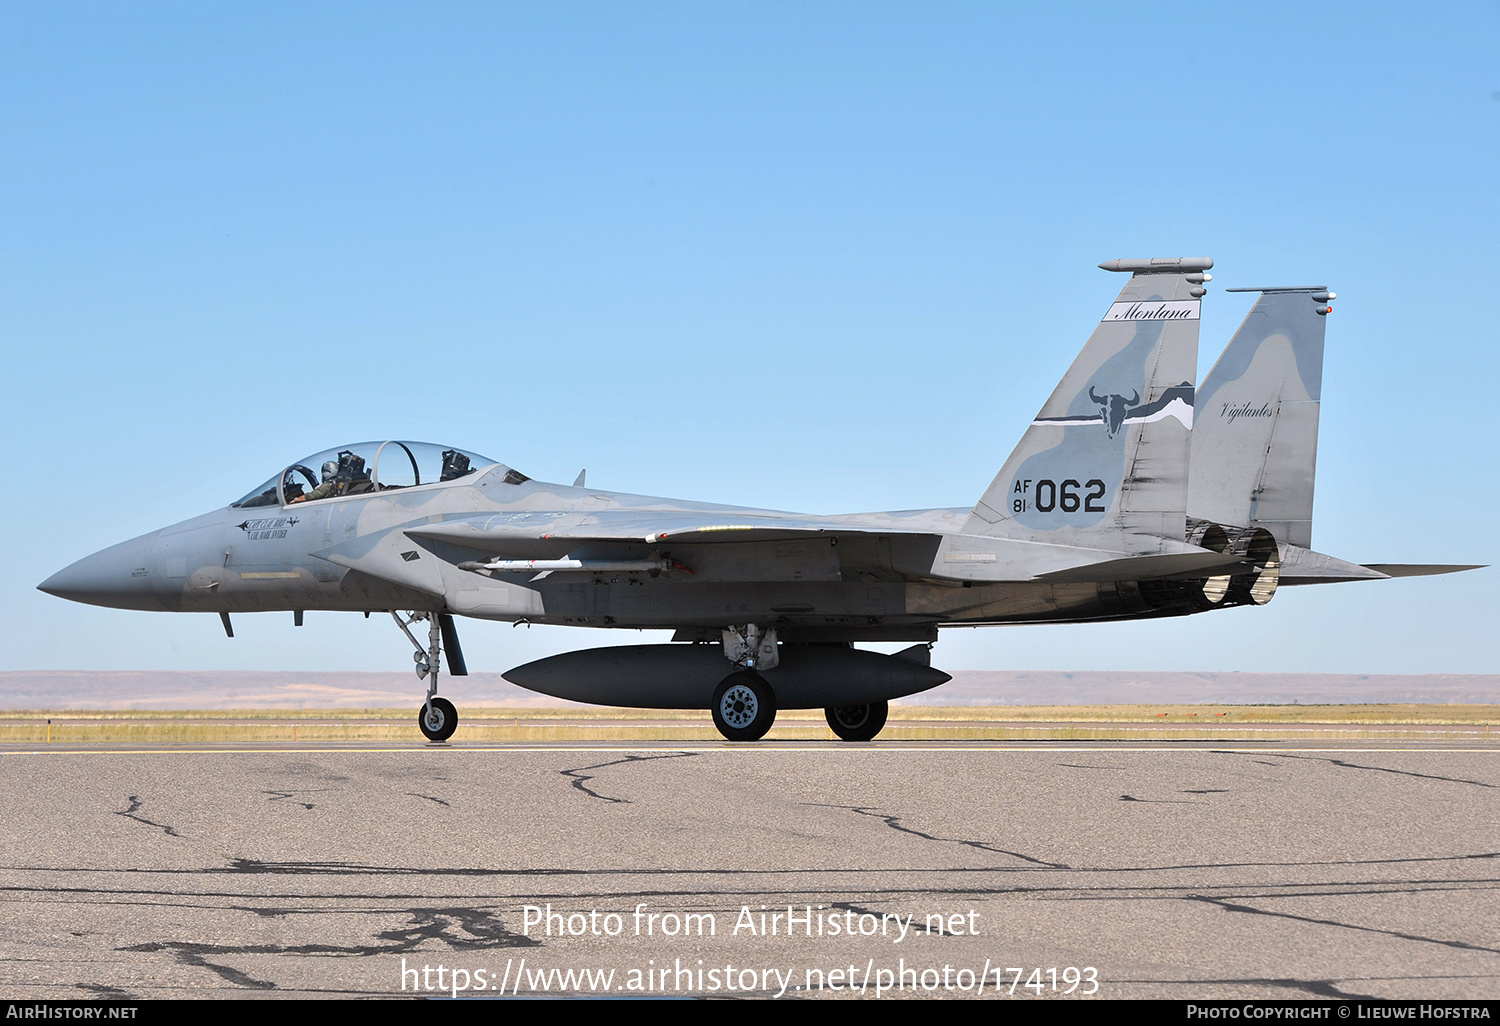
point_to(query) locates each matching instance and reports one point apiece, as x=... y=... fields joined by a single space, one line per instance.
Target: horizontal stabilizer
x=1141 y=568
x=1420 y=569
x=1304 y=566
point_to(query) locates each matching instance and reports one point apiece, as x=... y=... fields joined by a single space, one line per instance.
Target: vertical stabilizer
x=1104 y=464
x=1255 y=443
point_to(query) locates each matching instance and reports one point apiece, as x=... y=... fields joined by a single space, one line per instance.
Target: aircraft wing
x=504 y=532
x=521 y=535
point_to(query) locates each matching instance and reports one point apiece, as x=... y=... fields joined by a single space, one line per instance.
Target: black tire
x=857 y=722
x=438 y=719
x=744 y=706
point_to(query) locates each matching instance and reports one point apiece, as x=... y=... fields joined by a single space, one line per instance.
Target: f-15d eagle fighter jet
x=1116 y=504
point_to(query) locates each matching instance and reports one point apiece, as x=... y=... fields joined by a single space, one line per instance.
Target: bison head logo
x=1113 y=409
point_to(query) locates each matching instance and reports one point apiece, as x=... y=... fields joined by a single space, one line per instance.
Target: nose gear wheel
x=438 y=719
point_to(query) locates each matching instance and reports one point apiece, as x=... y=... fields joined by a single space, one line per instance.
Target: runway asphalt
x=1226 y=869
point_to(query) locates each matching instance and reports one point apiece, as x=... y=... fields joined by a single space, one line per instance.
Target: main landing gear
x=744 y=706
x=857 y=722
x=437 y=718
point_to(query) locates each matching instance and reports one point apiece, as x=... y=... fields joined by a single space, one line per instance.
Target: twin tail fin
x=1105 y=462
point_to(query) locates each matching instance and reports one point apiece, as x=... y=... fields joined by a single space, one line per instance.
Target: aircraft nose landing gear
x=437 y=718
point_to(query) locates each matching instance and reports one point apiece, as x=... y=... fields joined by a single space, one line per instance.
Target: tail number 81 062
x=1046 y=495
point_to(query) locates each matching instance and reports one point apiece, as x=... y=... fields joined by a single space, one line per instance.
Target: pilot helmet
x=330 y=469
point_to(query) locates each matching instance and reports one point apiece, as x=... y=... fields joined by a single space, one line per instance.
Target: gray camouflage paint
x=1121 y=415
x=1255 y=442
x=1091 y=428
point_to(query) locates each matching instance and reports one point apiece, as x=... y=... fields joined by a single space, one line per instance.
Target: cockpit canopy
x=368 y=467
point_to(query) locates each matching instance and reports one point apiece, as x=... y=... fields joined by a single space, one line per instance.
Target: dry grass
x=911 y=723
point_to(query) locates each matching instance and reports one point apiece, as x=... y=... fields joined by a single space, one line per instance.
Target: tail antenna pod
x=1319 y=294
x=1160 y=265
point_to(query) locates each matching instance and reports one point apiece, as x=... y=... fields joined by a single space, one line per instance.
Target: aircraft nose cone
x=119 y=576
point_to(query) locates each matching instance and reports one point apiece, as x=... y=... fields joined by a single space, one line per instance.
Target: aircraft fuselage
x=260 y=559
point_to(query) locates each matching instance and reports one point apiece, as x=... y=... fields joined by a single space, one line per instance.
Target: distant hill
x=1122 y=687
x=230 y=689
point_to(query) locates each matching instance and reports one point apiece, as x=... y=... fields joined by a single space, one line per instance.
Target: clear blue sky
x=822 y=257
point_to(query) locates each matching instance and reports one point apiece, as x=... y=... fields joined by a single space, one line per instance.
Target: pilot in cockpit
x=455 y=465
x=329 y=487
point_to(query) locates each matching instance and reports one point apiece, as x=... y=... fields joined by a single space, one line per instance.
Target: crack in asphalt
x=1229 y=906
x=1322 y=988
x=797 y=894
x=136 y=803
x=461 y=929
x=1154 y=801
x=579 y=776
x=429 y=797
x=252 y=867
x=485 y=931
x=858 y=910
x=281 y=796
x=1345 y=764
x=192 y=954
x=894 y=822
